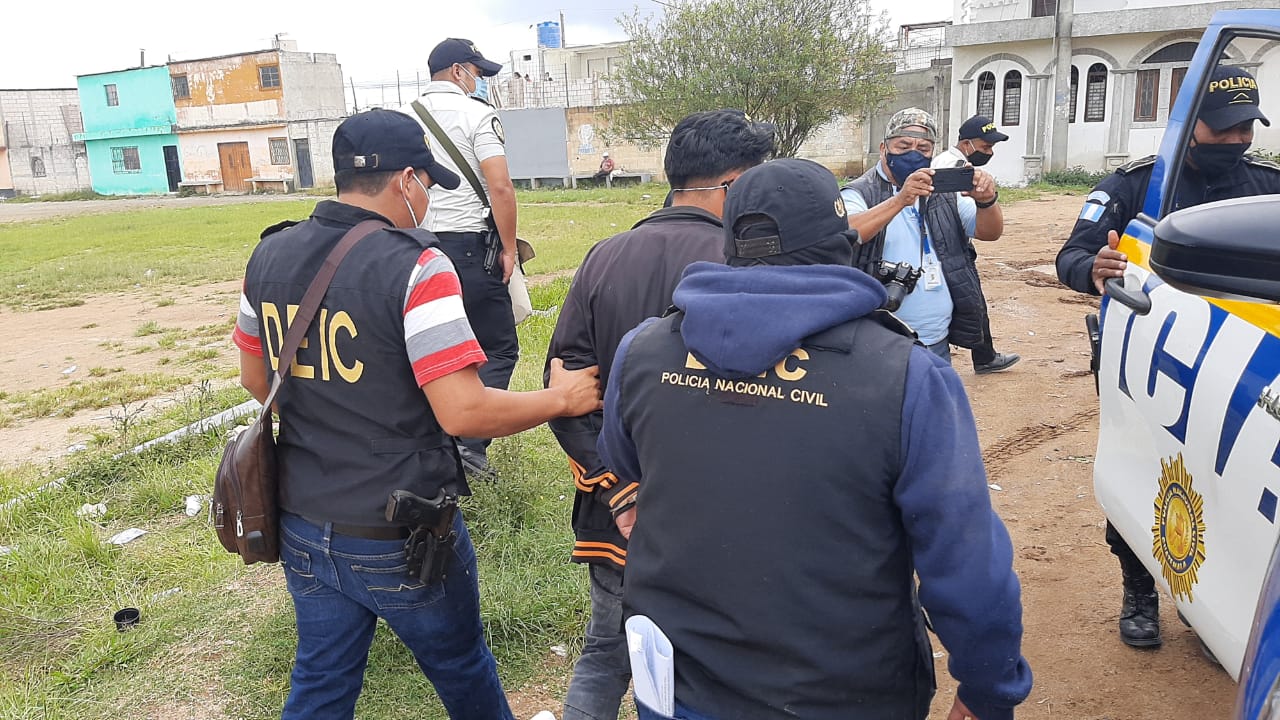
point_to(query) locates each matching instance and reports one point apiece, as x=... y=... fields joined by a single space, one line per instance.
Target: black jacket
x=622 y=281
x=1120 y=196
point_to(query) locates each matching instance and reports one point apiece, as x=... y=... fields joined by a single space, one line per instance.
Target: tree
x=795 y=63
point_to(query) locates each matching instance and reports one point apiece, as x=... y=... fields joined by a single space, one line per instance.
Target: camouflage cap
x=903 y=119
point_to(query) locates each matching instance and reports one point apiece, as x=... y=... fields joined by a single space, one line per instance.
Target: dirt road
x=1037 y=424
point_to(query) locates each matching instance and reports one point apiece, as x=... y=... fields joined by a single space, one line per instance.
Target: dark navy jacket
x=796 y=462
x=1120 y=196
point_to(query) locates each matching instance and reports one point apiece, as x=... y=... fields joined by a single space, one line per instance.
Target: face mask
x=977 y=158
x=903 y=164
x=407 y=204
x=482 y=87
x=1219 y=159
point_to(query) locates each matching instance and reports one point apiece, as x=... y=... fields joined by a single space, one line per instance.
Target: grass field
x=216 y=638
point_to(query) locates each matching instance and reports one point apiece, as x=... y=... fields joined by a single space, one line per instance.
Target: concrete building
x=129 y=120
x=258 y=119
x=1127 y=61
x=37 y=154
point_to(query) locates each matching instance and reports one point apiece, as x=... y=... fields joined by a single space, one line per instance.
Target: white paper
x=193 y=505
x=652 y=665
x=90 y=510
x=127 y=536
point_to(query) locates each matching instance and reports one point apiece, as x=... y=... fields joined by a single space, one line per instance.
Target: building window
x=37 y=167
x=181 y=89
x=1177 y=52
x=1012 y=98
x=269 y=76
x=279 y=150
x=1095 y=93
x=1147 y=98
x=113 y=98
x=987 y=95
x=125 y=160
x=1075 y=92
x=1044 y=8
x=1176 y=77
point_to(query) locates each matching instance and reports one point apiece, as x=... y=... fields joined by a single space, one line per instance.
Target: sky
x=48 y=45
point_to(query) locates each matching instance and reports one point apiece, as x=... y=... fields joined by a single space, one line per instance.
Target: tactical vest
x=768 y=546
x=354 y=425
x=954 y=250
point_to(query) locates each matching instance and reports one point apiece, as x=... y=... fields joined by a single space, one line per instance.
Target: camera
x=899 y=280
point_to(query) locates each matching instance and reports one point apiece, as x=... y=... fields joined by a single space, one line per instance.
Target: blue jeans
x=603 y=671
x=942 y=349
x=341 y=585
x=682 y=713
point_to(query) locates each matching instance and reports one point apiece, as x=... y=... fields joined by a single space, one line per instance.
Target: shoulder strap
x=442 y=137
x=311 y=303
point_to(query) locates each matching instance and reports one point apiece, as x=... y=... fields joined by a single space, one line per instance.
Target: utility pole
x=355 y=102
x=563 y=42
x=399 y=100
x=1061 y=86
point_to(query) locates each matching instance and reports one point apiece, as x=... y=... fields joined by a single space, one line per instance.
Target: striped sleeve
x=245 y=335
x=437 y=335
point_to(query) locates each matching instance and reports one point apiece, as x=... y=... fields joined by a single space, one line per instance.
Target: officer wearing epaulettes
x=1216 y=168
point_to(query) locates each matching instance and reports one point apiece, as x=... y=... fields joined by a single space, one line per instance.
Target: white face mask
x=412 y=214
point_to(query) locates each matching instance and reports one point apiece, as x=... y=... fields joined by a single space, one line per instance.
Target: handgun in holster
x=431 y=536
x=492 y=249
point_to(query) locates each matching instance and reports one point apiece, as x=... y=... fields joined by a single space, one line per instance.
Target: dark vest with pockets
x=954 y=250
x=354 y=424
x=768 y=546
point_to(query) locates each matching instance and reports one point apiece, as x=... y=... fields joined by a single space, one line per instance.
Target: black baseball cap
x=798 y=204
x=1231 y=98
x=386 y=141
x=458 y=51
x=981 y=128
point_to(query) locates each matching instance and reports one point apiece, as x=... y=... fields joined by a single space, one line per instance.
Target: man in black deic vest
x=799 y=459
x=388 y=369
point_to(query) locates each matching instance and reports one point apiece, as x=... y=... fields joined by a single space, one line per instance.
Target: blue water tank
x=549 y=34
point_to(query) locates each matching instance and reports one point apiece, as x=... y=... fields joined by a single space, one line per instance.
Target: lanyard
x=924 y=234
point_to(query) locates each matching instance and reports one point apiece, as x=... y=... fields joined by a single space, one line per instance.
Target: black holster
x=430 y=544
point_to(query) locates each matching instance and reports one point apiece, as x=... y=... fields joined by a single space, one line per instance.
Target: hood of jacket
x=741 y=321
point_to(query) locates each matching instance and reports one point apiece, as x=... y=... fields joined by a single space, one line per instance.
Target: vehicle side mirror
x=1227 y=249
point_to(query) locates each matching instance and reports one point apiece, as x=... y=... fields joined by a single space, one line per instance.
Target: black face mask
x=978 y=158
x=1215 y=160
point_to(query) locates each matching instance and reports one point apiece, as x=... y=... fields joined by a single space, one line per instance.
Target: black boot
x=1140 y=617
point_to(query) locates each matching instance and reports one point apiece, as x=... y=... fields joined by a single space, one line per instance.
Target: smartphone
x=947 y=180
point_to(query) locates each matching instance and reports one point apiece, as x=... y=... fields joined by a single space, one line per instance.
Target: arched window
x=1075 y=92
x=1012 y=98
x=1095 y=93
x=987 y=95
x=1177 y=52
x=37 y=167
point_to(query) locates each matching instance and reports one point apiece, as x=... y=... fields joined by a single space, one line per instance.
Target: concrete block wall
x=38 y=126
x=319 y=137
x=312 y=86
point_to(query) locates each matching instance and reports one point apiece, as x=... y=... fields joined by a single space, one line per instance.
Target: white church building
x=1128 y=58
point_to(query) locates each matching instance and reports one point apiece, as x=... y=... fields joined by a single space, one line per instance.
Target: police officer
x=976 y=145
x=387 y=370
x=776 y=555
x=457 y=97
x=1216 y=168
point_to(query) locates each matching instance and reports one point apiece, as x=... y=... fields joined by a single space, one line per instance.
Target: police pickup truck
x=1188 y=363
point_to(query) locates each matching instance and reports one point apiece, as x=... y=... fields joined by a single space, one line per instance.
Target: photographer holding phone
x=900 y=218
x=975 y=146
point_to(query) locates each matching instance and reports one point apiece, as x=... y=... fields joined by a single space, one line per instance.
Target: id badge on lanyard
x=930 y=271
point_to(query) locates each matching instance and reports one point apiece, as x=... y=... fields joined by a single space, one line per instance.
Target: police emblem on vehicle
x=1179 y=530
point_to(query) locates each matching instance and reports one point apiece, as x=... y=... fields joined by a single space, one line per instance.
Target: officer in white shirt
x=457 y=98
